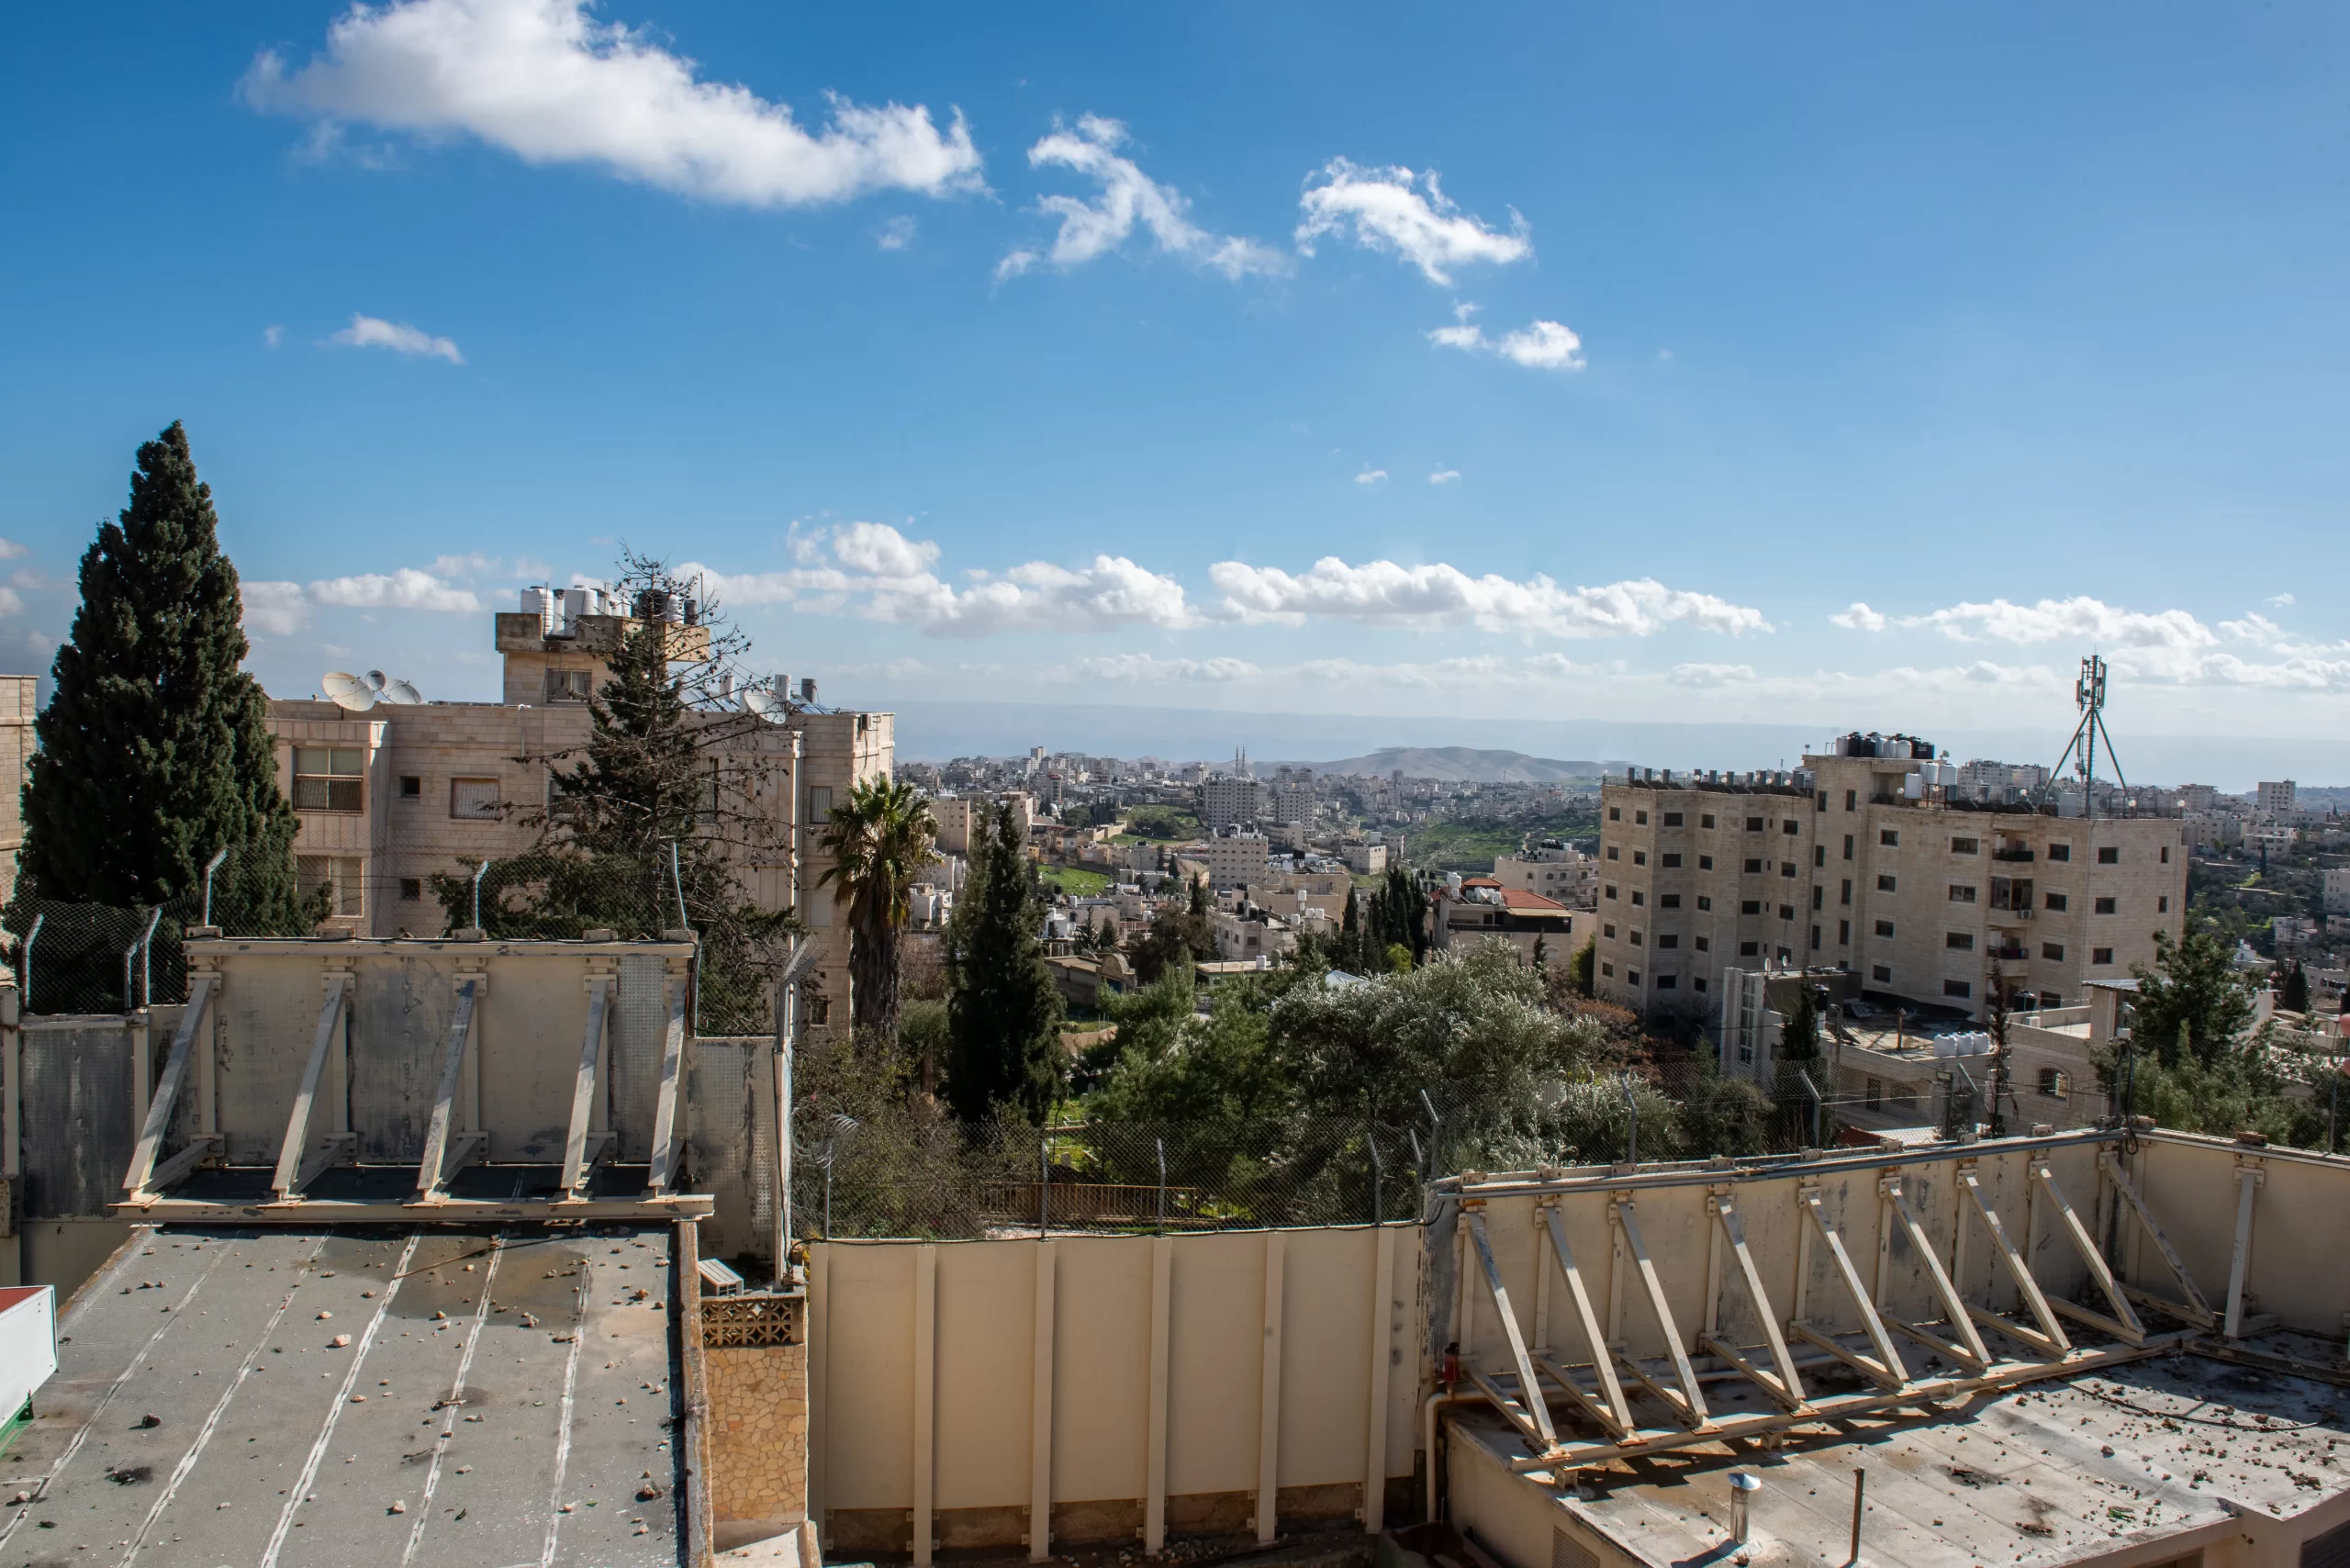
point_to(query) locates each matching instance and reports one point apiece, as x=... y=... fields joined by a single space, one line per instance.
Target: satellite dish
x=357 y=693
x=763 y=701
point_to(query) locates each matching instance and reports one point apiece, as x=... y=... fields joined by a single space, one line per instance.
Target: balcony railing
x=2010 y=955
x=2024 y=855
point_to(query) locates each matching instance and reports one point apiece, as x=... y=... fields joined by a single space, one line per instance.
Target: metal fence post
x=209 y=867
x=1811 y=1089
x=479 y=872
x=1378 y=1178
x=25 y=982
x=147 y=957
x=1631 y=1137
x=1044 y=1186
x=1436 y=1143
x=1162 y=1185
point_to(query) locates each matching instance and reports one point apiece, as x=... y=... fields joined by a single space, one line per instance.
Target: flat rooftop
x=503 y=1395
x=2059 y=1472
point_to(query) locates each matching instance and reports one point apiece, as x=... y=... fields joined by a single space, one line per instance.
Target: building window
x=1852 y=799
x=820 y=1007
x=569 y=685
x=1965 y=847
x=2060 y=852
x=1787 y=869
x=1814 y=939
x=1640 y=856
x=1786 y=912
x=2109 y=855
x=2166 y=854
x=1636 y=937
x=1698 y=984
x=1705 y=901
x=1641 y=818
x=2054 y=1085
x=1704 y=862
x=1881 y=974
x=2057 y=902
x=1702 y=946
x=1608 y=932
x=2052 y=951
x=1748 y=949
x=1750 y=906
x=1848 y=847
x=820 y=803
x=1672 y=818
x=1705 y=821
x=1753 y=868
x=1666 y=982
x=340 y=876
x=411 y=787
x=1846 y=897
x=1962 y=892
x=1958 y=988
x=2100 y=954
x=2161 y=903
x=1884 y=928
x=1609 y=889
x=1608 y=971
x=1671 y=862
x=412 y=890
x=1667 y=939
x=2106 y=906
x=1639 y=898
x=1843 y=934
x=327 y=778
x=1789 y=826
x=1613 y=854
x=1668 y=900
x=1959 y=941
x=1884 y=884
x=1615 y=813
x=1888 y=837
x=1631 y=976
x=1818 y=895
x=1818 y=856
x=2052 y=1000
x=473 y=800
x=1755 y=825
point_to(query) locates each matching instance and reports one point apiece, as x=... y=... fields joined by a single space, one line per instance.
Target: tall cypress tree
x=1003 y=1013
x=155 y=750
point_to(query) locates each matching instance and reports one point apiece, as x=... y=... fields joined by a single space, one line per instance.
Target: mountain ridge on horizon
x=1461 y=764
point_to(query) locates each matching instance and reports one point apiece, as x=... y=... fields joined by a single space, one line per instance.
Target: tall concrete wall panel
x=78 y=1115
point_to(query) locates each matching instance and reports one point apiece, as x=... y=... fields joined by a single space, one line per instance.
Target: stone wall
x=758 y=1433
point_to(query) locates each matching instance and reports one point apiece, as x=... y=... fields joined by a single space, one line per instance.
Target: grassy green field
x=1161 y=823
x=1077 y=881
x=1469 y=844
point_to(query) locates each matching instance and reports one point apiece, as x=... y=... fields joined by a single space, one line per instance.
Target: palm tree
x=879 y=839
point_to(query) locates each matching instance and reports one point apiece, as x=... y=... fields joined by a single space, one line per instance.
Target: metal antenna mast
x=2089 y=695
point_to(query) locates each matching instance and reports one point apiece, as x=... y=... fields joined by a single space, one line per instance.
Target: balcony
x=2023 y=855
x=2011 y=955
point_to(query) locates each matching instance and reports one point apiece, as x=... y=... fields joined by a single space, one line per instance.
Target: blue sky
x=1852 y=365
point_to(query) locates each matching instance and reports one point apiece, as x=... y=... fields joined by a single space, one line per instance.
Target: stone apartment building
x=17 y=706
x=1555 y=870
x=1869 y=863
x=387 y=797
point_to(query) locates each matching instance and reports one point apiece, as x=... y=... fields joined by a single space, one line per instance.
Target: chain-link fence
x=902 y=1176
x=72 y=957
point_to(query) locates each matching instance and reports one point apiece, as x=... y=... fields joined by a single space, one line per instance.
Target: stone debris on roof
x=489 y=1397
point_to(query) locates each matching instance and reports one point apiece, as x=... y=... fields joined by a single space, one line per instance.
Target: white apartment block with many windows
x=386 y=798
x=1866 y=864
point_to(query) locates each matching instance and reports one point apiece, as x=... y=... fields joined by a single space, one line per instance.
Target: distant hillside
x=1460 y=764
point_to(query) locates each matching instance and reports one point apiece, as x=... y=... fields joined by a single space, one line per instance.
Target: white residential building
x=1235 y=858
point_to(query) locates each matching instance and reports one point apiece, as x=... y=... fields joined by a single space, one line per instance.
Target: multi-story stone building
x=1554 y=868
x=17 y=710
x=387 y=797
x=1230 y=799
x=1868 y=863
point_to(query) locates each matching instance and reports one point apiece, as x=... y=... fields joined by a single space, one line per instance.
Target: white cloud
x=11 y=601
x=872 y=570
x=2282 y=601
x=276 y=608
x=10 y=550
x=272 y=336
x=1387 y=210
x=1709 y=674
x=1545 y=345
x=2079 y=619
x=1137 y=669
x=544 y=81
x=896 y=234
x=1858 y=618
x=407 y=588
x=1383 y=593
x=1372 y=477
x=373 y=333
x=1129 y=199
x=1444 y=476
x=40 y=644
x=475 y=564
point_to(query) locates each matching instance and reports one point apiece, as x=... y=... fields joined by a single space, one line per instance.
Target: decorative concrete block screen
x=1109 y=1389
